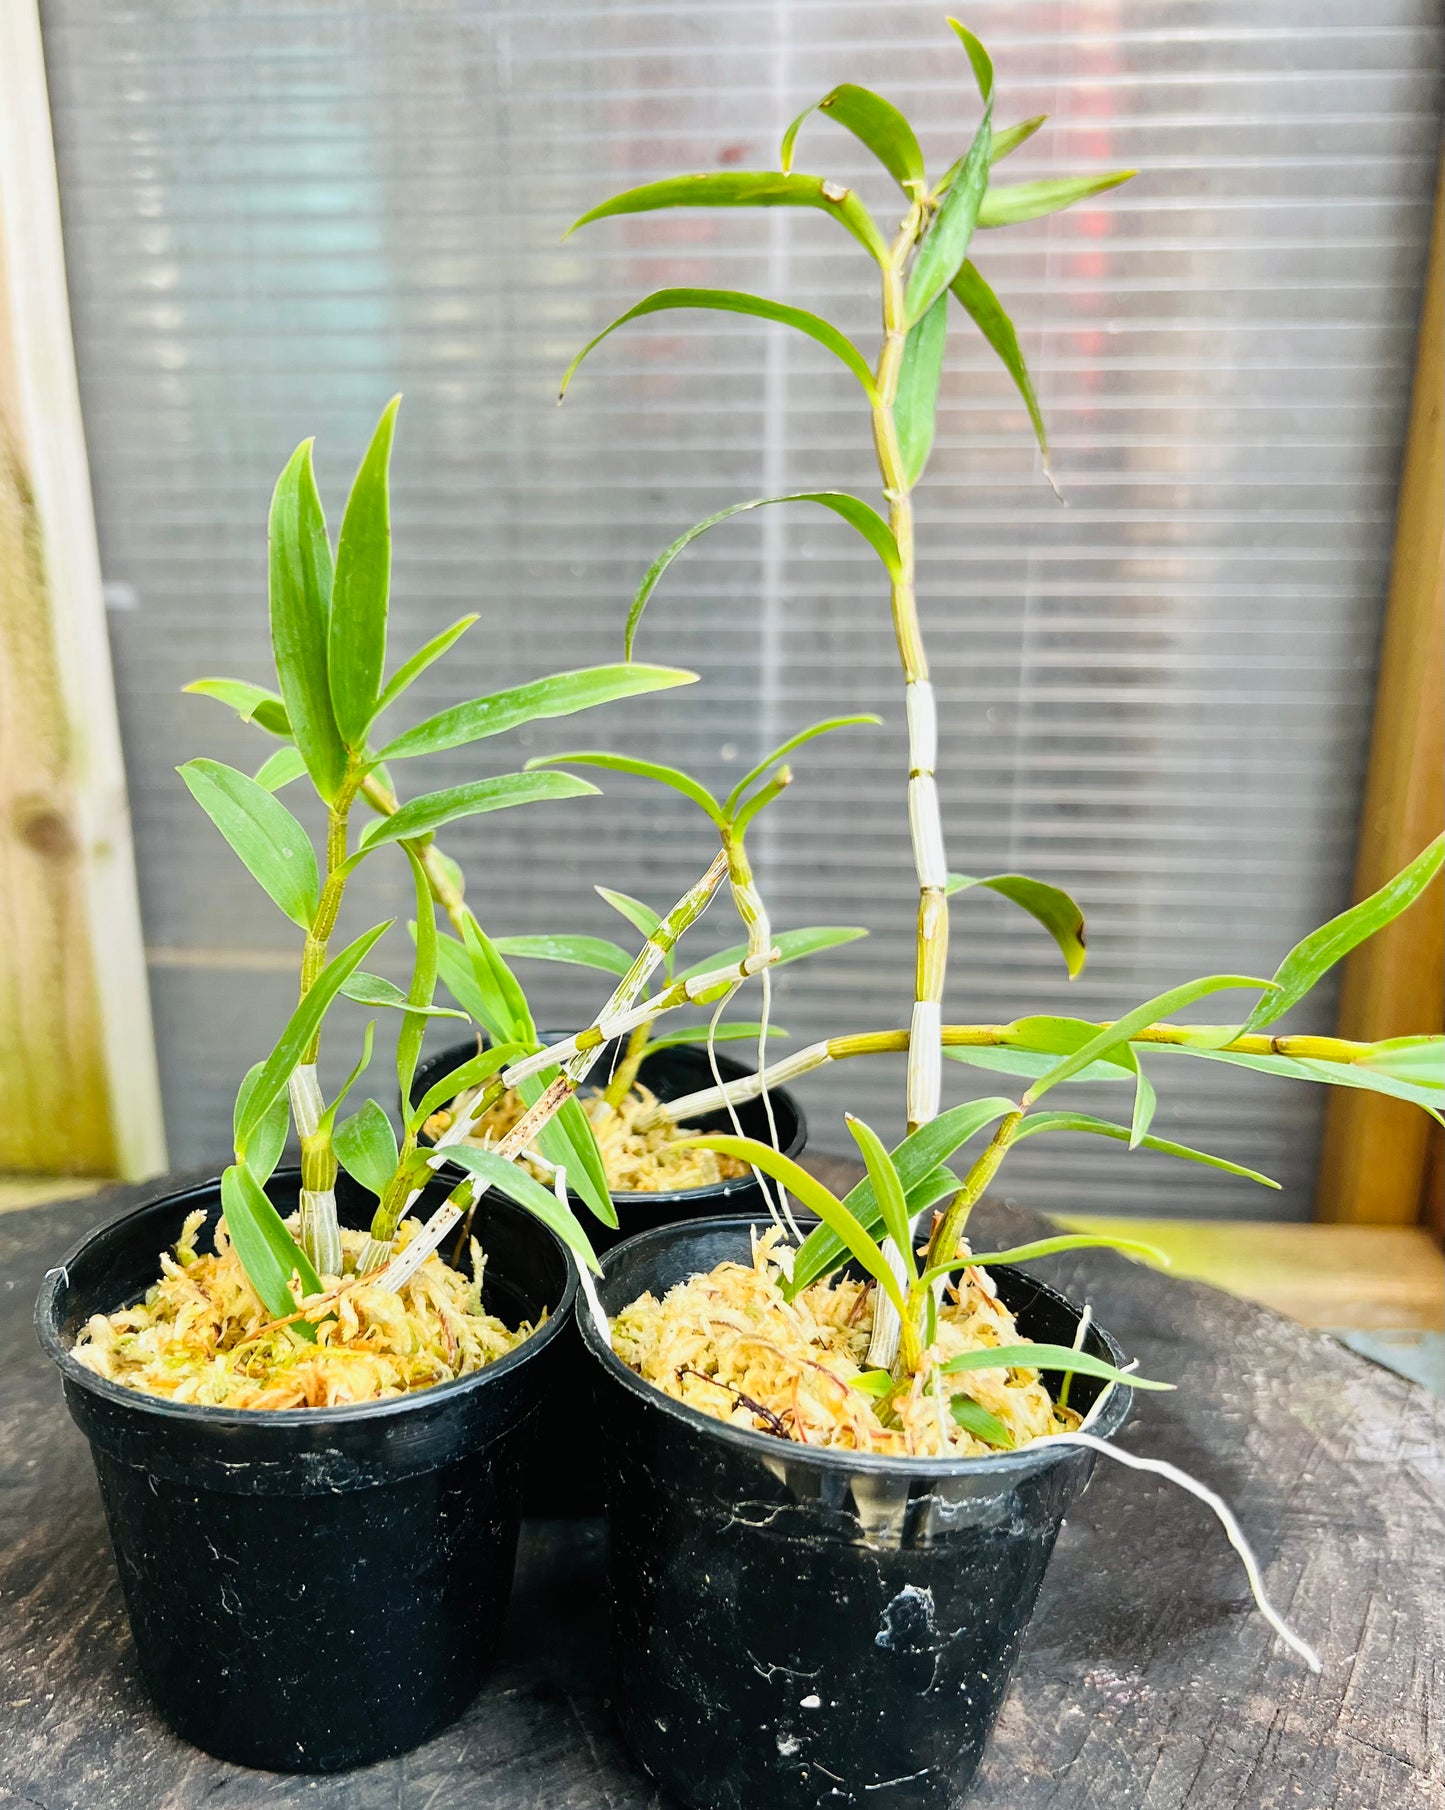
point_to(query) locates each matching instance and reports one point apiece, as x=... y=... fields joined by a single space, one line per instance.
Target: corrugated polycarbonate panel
x=1157 y=692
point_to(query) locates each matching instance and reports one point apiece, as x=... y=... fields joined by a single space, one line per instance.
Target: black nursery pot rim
x=47 y=1328
x=719 y=1191
x=1032 y=1457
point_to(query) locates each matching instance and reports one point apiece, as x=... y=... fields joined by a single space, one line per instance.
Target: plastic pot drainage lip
x=312 y=1589
x=796 y=1626
x=567 y=1457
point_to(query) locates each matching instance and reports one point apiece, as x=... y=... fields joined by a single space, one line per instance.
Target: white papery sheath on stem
x=320 y=1232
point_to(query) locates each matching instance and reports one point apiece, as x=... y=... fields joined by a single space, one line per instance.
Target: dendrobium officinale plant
x=921 y=270
x=328 y=633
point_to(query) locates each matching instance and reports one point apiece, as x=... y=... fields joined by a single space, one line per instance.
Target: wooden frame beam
x=77 y=1055
x=1376 y=1157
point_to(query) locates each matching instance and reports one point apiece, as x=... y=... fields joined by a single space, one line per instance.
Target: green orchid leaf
x=360 y=591
x=420 y=816
x=300 y=620
x=1050 y=905
x=1053 y=1247
x=1030 y=1063
x=421 y=994
x=719 y=1033
x=1064 y=1036
x=916 y=404
x=508 y=1016
x=359 y=1068
x=269 y=1254
x=737 y=301
x=1420 y=1060
x=1079 y=1121
x=1019 y=201
x=887 y=1192
x=1313 y=958
x=792 y=946
x=560 y=694
x=567 y=1140
x=268 y=1139
x=1045 y=1357
x=471 y=1073
x=641 y=917
x=303 y=1025
x=412 y=669
x=977 y=1420
x=826 y=727
x=518 y=1185
x=280 y=769
x=875 y=123
x=375 y=990
x=252 y=703
x=366 y=1148
x=1004 y=142
x=745 y=188
x=1330 y=1074
x=640 y=769
x=917 y=1159
x=836 y=1217
x=579 y=951
x=989 y=316
x=270 y=842
x=850 y=509
x=942 y=252
x=1116 y=1036
x=873 y=1383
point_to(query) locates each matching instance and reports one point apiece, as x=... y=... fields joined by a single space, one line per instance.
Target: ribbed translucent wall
x=1157 y=693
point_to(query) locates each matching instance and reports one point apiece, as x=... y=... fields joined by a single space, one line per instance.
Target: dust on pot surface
x=799 y=1627
x=312 y=1589
x=672 y=1073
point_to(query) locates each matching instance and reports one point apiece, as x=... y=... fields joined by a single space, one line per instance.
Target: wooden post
x=1376 y=1156
x=78 y=1086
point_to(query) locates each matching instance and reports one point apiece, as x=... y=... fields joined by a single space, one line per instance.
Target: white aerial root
x=1222 y=1512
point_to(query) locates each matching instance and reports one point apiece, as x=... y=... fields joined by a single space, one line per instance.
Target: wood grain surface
x=1146 y=1683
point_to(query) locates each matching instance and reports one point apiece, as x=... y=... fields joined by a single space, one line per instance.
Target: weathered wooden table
x=1146 y=1683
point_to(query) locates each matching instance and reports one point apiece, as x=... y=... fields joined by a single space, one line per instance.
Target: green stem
x=950 y=1226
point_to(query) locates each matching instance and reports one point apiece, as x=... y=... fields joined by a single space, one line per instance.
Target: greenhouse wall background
x=1156 y=692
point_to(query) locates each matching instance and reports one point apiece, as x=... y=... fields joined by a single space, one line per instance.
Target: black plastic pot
x=798 y=1627
x=312 y=1589
x=566 y=1478
x=671 y=1074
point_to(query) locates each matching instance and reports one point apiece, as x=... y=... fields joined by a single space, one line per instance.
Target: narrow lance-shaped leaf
x=1312 y=958
x=252 y=703
x=1004 y=142
x=518 y=1185
x=811 y=733
x=946 y=245
x=839 y=1220
x=1330 y=1074
x=366 y=1148
x=1053 y=1247
x=1050 y=905
x=1019 y=201
x=919 y=1156
x=1029 y=1063
x=874 y=122
x=672 y=777
x=376 y=990
x=300 y=619
x=420 y=816
x=915 y=407
x=560 y=694
x=505 y=996
x=641 y=917
x=1045 y=1357
x=269 y=1254
x=359 y=1068
x=411 y=670
x=887 y=1192
x=268 y=839
x=471 y=1073
x=361 y=589
x=567 y=1141
x=483 y=1003
x=792 y=946
x=745 y=188
x=579 y=951
x=268 y=1138
x=974 y=1418
x=422 y=991
x=1420 y=1060
x=280 y=769
x=1118 y=1034
x=717 y=1033
x=738 y=301
x=304 y=1022
x=851 y=509
x=1079 y=1121
x=991 y=319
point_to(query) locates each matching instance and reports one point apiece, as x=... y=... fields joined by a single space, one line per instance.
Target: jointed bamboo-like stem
x=990 y=1036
